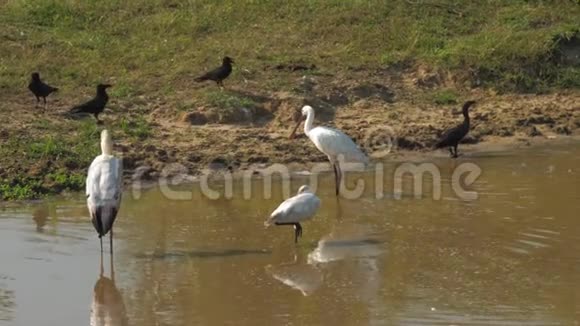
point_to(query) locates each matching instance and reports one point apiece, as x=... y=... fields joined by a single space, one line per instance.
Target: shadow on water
x=205 y=254
x=108 y=307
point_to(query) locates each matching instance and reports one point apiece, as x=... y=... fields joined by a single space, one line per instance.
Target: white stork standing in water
x=295 y=210
x=332 y=142
x=104 y=182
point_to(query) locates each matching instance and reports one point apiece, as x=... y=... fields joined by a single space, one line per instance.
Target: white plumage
x=295 y=210
x=332 y=142
x=104 y=181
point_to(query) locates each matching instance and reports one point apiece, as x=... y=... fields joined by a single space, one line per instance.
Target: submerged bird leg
x=336 y=178
x=297 y=229
x=297 y=232
x=112 y=269
x=111 y=239
x=102 y=268
x=339 y=182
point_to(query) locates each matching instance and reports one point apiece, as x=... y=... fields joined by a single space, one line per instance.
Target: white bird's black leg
x=297 y=229
x=339 y=182
x=102 y=271
x=111 y=238
x=297 y=232
x=336 y=177
x=112 y=269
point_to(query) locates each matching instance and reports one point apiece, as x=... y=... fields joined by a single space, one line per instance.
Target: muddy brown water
x=510 y=257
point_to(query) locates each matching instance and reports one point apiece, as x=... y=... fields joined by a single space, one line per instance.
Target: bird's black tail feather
x=75 y=113
x=440 y=144
x=76 y=109
x=104 y=219
x=200 y=79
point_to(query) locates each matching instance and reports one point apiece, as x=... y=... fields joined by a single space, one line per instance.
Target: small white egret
x=295 y=210
x=104 y=182
x=332 y=142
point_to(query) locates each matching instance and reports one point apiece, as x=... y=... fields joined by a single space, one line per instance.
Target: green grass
x=226 y=107
x=445 y=96
x=51 y=163
x=145 y=46
x=26 y=187
x=17 y=190
x=224 y=100
x=138 y=128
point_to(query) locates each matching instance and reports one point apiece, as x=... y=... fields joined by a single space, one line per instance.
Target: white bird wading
x=104 y=183
x=333 y=143
x=295 y=210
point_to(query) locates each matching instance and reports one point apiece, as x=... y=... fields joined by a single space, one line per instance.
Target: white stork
x=332 y=142
x=104 y=182
x=295 y=210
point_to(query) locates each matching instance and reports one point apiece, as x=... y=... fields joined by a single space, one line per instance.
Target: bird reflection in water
x=336 y=246
x=302 y=277
x=108 y=308
x=40 y=216
x=357 y=245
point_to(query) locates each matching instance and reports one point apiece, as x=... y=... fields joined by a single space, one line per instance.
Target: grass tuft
x=445 y=97
x=138 y=128
x=224 y=100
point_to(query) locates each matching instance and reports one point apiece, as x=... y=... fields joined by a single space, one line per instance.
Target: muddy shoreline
x=470 y=153
x=401 y=118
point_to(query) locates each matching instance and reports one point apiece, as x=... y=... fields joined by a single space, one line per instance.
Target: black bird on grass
x=453 y=136
x=39 y=88
x=96 y=105
x=218 y=74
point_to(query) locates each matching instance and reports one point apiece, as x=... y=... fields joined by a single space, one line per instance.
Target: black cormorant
x=453 y=136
